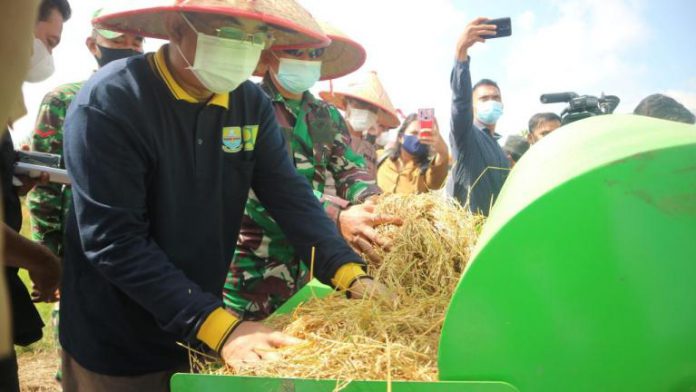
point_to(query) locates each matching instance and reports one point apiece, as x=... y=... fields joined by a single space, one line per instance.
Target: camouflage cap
x=108 y=34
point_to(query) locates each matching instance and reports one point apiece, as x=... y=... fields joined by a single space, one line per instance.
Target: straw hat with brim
x=369 y=90
x=290 y=24
x=341 y=57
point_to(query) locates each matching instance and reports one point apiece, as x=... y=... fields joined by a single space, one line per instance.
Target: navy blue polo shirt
x=482 y=165
x=160 y=182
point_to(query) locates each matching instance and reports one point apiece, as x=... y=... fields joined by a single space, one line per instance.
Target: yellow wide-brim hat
x=367 y=89
x=290 y=25
x=342 y=57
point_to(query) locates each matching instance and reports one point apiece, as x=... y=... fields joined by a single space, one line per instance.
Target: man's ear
x=530 y=137
x=91 y=44
x=267 y=61
x=173 y=25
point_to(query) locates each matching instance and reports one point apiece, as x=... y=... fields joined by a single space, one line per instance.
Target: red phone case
x=425 y=118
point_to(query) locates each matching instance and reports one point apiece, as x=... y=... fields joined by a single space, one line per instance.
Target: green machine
x=583 y=279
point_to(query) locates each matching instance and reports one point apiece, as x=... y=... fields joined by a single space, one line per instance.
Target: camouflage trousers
x=255 y=287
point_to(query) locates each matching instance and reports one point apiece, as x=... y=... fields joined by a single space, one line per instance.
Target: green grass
x=48 y=341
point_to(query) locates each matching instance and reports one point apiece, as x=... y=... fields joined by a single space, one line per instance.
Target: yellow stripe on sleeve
x=216 y=328
x=346 y=275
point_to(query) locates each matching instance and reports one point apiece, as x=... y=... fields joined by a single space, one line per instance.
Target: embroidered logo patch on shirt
x=234 y=139
x=249 y=134
x=231 y=139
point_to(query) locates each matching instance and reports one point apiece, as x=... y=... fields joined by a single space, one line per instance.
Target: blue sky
x=629 y=48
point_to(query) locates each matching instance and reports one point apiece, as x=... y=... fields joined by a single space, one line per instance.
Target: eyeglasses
x=313 y=53
x=259 y=38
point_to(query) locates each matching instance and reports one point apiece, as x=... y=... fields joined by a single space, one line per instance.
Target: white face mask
x=361 y=120
x=298 y=76
x=383 y=139
x=41 y=63
x=222 y=64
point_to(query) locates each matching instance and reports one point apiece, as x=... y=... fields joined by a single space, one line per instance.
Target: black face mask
x=108 y=55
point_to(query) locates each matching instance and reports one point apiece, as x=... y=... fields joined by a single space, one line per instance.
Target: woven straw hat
x=342 y=56
x=290 y=24
x=369 y=90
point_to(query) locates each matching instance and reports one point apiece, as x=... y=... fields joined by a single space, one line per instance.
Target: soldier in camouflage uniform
x=49 y=204
x=265 y=270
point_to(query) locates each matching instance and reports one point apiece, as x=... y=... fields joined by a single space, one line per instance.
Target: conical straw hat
x=367 y=89
x=342 y=56
x=290 y=24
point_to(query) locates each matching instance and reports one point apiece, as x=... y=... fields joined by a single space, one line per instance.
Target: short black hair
x=485 y=82
x=47 y=6
x=664 y=107
x=539 y=118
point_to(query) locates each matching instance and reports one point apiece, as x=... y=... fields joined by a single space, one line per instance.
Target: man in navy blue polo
x=162 y=158
x=482 y=166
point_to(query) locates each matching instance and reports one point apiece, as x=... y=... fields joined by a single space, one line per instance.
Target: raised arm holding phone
x=481 y=165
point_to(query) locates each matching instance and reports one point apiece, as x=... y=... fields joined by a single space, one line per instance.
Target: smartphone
x=503 y=28
x=39 y=158
x=425 y=119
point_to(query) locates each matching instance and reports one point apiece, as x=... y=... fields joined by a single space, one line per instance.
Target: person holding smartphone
x=418 y=162
x=481 y=164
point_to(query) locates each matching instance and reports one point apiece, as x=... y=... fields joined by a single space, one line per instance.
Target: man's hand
x=45 y=276
x=367 y=287
x=357 y=226
x=28 y=183
x=473 y=33
x=252 y=342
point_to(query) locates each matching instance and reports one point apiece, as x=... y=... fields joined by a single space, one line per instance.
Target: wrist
x=217 y=328
x=347 y=274
x=462 y=55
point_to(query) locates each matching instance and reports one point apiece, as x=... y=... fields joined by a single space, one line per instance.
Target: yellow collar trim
x=177 y=91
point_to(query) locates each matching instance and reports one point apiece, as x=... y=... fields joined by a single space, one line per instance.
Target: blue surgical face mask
x=413 y=146
x=298 y=76
x=488 y=112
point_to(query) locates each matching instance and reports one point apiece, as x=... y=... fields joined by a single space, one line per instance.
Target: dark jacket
x=482 y=165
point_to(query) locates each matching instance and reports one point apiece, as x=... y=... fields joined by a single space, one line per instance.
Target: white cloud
x=581 y=49
x=409 y=44
x=525 y=21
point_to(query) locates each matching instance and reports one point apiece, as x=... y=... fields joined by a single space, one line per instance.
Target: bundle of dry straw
x=368 y=339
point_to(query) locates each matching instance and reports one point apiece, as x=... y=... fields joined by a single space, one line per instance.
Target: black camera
x=582 y=106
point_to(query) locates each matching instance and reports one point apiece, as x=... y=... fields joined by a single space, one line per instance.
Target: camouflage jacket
x=319 y=144
x=48 y=204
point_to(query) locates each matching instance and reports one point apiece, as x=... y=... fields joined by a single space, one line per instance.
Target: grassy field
x=38 y=362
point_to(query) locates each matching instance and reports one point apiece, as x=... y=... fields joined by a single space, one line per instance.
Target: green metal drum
x=584 y=277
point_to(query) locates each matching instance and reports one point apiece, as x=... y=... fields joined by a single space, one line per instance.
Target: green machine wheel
x=584 y=277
